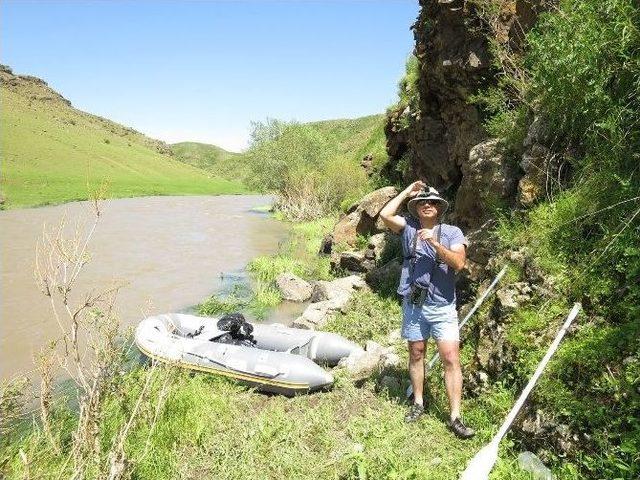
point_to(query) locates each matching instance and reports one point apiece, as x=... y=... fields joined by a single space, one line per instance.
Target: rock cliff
x=443 y=141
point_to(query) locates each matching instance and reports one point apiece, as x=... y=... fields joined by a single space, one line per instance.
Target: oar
x=436 y=356
x=480 y=466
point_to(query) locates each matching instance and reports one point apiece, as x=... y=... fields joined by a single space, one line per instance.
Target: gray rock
x=377 y=244
x=362 y=364
x=327 y=298
x=293 y=288
x=354 y=261
x=324 y=290
x=389 y=273
x=317 y=313
x=391 y=359
x=489 y=178
x=372 y=346
x=362 y=217
x=394 y=336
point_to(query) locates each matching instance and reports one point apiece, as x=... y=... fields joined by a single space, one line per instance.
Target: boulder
x=372 y=203
x=327 y=298
x=489 y=180
x=314 y=316
x=387 y=274
x=324 y=290
x=377 y=244
x=483 y=244
x=391 y=359
x=326 y=245
x=354 y=261
x=362 y=216
x=390 y=383
x=350 y=226
x=537 y=163
x=293 y=288
x=362 y=364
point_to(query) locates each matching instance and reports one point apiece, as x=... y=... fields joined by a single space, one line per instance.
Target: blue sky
x=202 y=70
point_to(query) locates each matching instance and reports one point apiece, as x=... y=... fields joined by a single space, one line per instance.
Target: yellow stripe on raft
x=228 y=373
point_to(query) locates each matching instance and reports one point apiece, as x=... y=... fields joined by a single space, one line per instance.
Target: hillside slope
x=204 y=156
x=350 y=139
x=53 y=153
x=356 y=137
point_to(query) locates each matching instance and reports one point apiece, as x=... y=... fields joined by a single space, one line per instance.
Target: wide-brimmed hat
x=428 y=193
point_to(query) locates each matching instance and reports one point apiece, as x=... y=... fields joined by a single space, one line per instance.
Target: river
x=171 y=252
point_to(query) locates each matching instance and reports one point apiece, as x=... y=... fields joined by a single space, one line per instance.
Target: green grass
x=212 y=158
x=53 y=153
x=210 y=427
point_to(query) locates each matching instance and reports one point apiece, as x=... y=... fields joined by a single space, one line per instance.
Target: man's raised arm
x=389 y=215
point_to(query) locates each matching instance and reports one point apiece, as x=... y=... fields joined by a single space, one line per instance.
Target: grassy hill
x=315 y=168
x=356 y=137
x=205 y=156
x=350 y=139
x=53 y=153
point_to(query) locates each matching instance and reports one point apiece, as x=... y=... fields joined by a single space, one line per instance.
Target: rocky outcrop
x=362 y=218
x=454 y=62
x=33 y=87
x=327 y=299
x=489 y=180
x=362 y=364
x=293 y=288
x=362 y=221
x=539 y=163
x=367 y=260
x=434 y=141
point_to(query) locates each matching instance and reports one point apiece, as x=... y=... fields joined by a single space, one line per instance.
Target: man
x=433 y=253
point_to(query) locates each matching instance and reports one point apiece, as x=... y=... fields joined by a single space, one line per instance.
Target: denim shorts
x=422 y=322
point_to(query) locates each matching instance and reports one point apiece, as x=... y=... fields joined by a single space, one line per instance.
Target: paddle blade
x=480 y=466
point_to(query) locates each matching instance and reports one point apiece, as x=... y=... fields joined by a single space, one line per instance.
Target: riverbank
x=195 y=425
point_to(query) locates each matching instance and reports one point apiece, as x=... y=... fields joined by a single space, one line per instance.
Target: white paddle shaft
x=525 y=393
x=436 y=355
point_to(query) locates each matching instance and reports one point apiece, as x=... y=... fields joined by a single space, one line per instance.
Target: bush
x=302 y=166
x=583 y=76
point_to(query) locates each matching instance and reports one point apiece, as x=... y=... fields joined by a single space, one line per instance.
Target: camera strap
x=414 y=259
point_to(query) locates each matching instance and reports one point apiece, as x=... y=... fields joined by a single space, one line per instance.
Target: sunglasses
x=433 y=203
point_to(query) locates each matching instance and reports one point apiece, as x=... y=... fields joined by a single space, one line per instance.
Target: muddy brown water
x=172 y=252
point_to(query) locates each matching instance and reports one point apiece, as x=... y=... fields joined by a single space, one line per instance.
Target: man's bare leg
x=416 y=369
x=450 y=355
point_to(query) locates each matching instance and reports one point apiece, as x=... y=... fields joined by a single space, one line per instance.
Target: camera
x=417 y=295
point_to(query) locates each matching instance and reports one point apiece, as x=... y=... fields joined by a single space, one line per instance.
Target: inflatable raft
x=278 y=359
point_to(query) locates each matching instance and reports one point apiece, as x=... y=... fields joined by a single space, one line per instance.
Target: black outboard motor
x=239 y=331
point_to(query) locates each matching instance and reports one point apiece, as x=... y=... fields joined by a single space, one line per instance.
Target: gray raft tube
x=282 y=363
